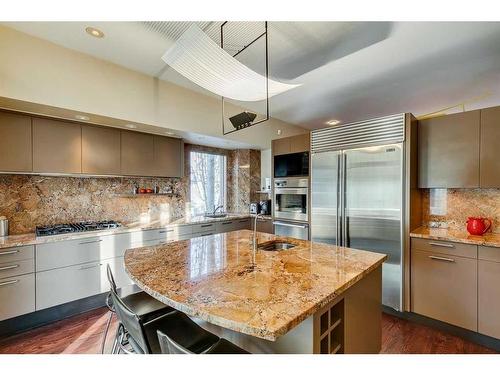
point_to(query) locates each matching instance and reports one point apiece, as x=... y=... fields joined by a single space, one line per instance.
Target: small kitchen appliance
x=254 y=208
x=265 y=207
x=478 y=225
x=4 y=226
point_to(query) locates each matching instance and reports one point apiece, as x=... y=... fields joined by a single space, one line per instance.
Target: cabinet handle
x=206 y=234
x=166 y=231
x=9 y=252
x=9 y=267
x=89 y=267
x=206 y=225
x=243 y=221
x=87 y=242
x=9 y=282
x=441 y=258
x=227 y=223
x=442 y=244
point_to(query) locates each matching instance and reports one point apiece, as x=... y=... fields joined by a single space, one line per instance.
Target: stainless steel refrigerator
x=358 y=189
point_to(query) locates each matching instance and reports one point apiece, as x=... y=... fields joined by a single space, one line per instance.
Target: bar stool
x=141 y=303
x=169 y=345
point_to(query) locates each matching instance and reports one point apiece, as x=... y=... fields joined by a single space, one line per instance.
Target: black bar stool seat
x=183 y=330
x=145 y=306
x=225 y=347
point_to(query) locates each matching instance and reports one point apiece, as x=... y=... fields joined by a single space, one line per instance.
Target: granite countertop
x=489 y=239
x=32 y=239
x=219 y=279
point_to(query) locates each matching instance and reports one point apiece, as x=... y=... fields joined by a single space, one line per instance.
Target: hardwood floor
x=83 y=334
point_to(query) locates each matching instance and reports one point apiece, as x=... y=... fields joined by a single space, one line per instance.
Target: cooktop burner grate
x=84 y=226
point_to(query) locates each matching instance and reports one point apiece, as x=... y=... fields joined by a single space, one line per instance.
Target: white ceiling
x=348 y=71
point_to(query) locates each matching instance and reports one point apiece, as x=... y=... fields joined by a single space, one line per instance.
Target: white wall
x=36 y=71
x=265 y=165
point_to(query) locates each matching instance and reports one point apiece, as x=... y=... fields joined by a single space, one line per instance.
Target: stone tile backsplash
x=450 y=208
x=31 y=200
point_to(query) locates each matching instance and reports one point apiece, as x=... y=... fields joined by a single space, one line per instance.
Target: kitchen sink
x=275 y=245
x=215 y=215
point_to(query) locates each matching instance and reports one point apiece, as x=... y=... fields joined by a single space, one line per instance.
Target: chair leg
x=103 y=345
x=116 y=342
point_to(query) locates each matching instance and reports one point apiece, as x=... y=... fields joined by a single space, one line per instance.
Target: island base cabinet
x=489 y=298
x=444 y=287
x=17 y=296
x=58 y=286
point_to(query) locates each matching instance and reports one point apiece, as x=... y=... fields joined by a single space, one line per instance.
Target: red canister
x=478 y=225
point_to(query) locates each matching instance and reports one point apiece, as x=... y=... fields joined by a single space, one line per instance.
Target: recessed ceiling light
x=279 y=132
x=82 y=117
x=94 y=32
x=131 y=126
x=333 y=122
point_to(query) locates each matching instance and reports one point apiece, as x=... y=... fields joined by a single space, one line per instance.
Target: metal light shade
x=198 y=58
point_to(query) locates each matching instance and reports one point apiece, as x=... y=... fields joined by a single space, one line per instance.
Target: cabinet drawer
x=20 y=267
x=489 y=253
x=205 y=227
x=17 y=296
x=242 y=224
x=58 y=286
x=444 y=287
x=489 y=298
x=226 y=226
x=174 y=233
x=13 y=254
x=67 y=253
x=445 y=247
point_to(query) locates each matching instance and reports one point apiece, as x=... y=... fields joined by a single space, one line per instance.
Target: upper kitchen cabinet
x=291 y=145
x=448 y=151
x=490 y=150
x=15 y=143
x=168 y=157
x=57 y=146
x=100 y=150
x=137 y=154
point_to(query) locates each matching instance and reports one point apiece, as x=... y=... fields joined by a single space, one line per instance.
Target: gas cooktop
x=84 y=226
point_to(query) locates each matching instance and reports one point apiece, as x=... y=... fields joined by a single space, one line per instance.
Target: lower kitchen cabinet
x=265 y=226
x=58 y=286
x=17 y=296
x=489 y=291
x=444 y=287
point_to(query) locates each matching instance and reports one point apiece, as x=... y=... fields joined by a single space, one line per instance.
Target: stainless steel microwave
x=291 y=165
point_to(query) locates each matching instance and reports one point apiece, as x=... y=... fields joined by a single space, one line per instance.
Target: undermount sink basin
x=275 y=245
x=215 y=215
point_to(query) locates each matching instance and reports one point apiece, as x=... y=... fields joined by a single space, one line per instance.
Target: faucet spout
x=255 y=232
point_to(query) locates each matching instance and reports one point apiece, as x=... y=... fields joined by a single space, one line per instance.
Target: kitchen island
x=311 y=298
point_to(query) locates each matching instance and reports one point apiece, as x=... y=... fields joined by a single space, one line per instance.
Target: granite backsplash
x=450 y=208
x=31 y=200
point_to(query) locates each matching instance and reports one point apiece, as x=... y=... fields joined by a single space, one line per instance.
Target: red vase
x=477 y=226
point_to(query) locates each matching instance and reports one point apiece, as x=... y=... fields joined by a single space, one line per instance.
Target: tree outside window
x=208 y=182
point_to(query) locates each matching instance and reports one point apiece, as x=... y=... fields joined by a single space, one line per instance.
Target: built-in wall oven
x=291 y=198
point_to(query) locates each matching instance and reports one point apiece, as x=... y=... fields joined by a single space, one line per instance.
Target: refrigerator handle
x=345 y=239
x=339 y=200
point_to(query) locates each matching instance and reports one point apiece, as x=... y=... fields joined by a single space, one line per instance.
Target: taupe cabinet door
x=57 y=146
x=448 y=149
x=137 y=154
x=168 y=157
x=444 y=287
x=100 y=150
x=280 y=146
x=489 y=291
x=299 y=143
x=490 y=147
x=15 y=143
x=291 y=145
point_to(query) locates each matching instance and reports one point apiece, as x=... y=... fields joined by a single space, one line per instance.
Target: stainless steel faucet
x=255 y=232
x=217 y=208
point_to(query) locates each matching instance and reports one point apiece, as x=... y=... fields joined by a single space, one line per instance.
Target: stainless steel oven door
x=289 y=229
x=291 y=203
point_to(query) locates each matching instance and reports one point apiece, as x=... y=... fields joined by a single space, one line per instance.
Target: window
x=208 y=182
